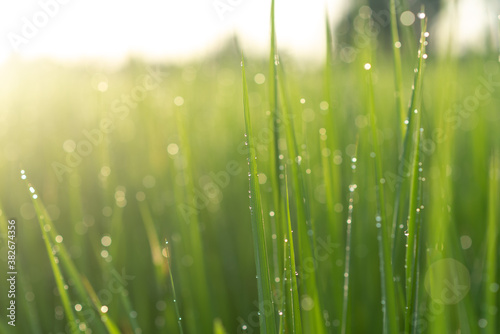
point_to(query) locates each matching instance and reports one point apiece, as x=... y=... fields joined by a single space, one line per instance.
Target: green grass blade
x=63 y=256
x=332 y=172
x=491 y=297
x=402 y=186
x=176 y=304
x=383 y=226
x=110 y=326
x=398 y=71
x=267 y=318
x=200 y=315
x=54 y=263
x=219 y=327
x=412 y=232
x=305 y=228
x=273 y=147
x=297 y=321
x=350 y=208
x=154 y=244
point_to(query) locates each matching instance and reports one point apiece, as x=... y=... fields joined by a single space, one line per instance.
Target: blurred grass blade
x=154 y=244
x=398 y=71
x=111 y=327
x=329 y=141
x=491 y=298
x=267 y=317
x=219 y=327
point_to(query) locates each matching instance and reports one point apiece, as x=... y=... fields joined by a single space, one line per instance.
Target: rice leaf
x=267 y=317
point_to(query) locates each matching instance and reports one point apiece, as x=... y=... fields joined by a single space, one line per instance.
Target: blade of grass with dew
x=492 y=247
x=297 y=321
x=313 y=318
x=77 y=279
x=58 y=276
x=383 y=226
x=176 y=304
x=401 y=184
x=413 y=233
x=345 y=301
x=266 y=318
x=273 y=147
x=67 y=263
x=414 y=189
x=419 y=253
x=398 y=71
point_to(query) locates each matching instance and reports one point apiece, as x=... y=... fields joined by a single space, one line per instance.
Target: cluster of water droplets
x=32 y=190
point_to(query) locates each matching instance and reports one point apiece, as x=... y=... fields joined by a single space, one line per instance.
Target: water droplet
x=368 y=66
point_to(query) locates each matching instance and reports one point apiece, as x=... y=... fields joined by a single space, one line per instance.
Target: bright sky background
x=173 y=29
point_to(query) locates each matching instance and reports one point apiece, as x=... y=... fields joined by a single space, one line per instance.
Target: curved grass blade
x=50 y=233
x=267 y=318
x=54 y=263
